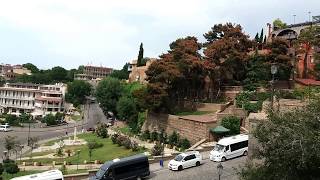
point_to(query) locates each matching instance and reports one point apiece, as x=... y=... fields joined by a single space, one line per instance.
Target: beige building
x=38 y=100
x=139 y=73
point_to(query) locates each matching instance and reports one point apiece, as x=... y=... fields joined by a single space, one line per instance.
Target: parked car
x=47 y=175
x=6 y=127
x=185 y=160
x=230 y=147
x=133 y=167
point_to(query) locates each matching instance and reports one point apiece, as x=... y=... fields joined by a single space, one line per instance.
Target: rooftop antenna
x=294 y=19
x=309 y=16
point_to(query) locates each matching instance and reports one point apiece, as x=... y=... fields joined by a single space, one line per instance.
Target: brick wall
x=192 y=130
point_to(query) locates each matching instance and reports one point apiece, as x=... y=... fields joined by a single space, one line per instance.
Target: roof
x=200 y=118
x=53 y=174
x=308 y=82
x=219 y=129
x=138 y=157
x=233 y=139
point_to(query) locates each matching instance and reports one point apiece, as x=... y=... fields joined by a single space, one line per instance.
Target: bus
x=230 y=147
x=47 y=175
x=133 y=167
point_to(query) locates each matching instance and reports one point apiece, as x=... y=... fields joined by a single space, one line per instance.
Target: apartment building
x=93 y=73
x=38 y=100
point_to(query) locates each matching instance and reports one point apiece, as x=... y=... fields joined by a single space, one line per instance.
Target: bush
x=154 y=136
x=50 y=120
x=232 y=123
x=184 y=143
x=120 y=140
x=253 y=107
x=162 y=137
x=94 y=145
x=126 y=143
x=114 y=138
x=173 y=138
x=134 y=146
x=1 y=169
x=146 y=135
x=102 y=130
x=11 y=168
x=157 y=150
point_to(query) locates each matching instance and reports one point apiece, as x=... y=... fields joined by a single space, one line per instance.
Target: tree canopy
x=77 y=91
x=278 y=24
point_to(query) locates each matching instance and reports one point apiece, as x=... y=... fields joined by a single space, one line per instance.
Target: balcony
x=26 y=98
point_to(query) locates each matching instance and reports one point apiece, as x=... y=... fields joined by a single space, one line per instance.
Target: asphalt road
x=207 y=171
x=91 y=117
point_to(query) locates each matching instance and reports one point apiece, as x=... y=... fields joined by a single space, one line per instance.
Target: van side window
x=227 y=148
x=131 y=167
x=239 y=145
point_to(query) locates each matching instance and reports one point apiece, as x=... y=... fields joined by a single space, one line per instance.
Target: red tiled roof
x=308 y=82
x=200 y=118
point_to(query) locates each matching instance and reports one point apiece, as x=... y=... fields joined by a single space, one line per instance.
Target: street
x=91 y=117
x=207 y=171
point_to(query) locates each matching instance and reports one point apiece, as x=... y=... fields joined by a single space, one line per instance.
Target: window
x=227 y=148
x=190 y=157
x=238 y=145
x=131 y=167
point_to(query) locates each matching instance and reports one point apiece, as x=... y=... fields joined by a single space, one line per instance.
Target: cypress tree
x=140 y=55
x=261 y=36
x=265 y=40
x=256 y=38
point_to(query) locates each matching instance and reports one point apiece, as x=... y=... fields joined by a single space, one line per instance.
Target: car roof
x=138 y=157
x=189 y=153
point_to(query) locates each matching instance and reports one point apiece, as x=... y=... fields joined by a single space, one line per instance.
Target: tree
x=278 y=24
x=1 y=169
x=31 y=67
x=307 y=39
x=102 y=130
x=77 y=92
x=126 y=109
x=12 y=120
x=10 y=143
x=226 y=51
x=91 y=146
x=108 y=93
x=50 y=120
x=25 y=118
x=11 y=168
x=121 y=74
x=288 y=148
x=256 y=38
x=58 y=74
x=140 y=56
x=261 y=36
x=33 y=143
x=232 y=123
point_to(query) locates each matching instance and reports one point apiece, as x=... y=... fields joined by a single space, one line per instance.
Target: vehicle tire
x=223 y=159
x=197 y=163
x=139 y=178
x=245 y=153
x=180 y=168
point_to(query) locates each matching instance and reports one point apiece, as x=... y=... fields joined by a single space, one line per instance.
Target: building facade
x=138 y=73
x=35 y=99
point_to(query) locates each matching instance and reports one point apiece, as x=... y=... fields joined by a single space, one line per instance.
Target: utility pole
x=294 y=19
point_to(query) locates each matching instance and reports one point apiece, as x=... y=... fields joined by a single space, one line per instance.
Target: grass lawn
x=109 y=151
x=125 y=130
x=76 y=117
x=193 y=113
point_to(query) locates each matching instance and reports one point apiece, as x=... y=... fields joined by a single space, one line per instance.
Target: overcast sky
x=70 y=33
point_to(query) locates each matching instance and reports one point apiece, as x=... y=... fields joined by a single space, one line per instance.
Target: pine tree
x=140 y=55
x=261 y=36
x=265 y=39
x=256 y=38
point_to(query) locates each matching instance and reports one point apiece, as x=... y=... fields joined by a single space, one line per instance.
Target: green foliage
x=1 y=169
x=154 y=136
x=31 y=67
x=63 y=169
x=140 y=56
x=126 y=109
x=261 y=36
x=12 y=120
x=10 y=143
x=108 y=93
x=25 y=118
x=173 y=139
x=232 y=123
x=58 y=74
x=114 y=138
x=102 y=130
x=121 y=74
x=145 y=135
x=162 y=136
x=184 y=143
x=59 y=116
x=157 y=150
x=134 y=146
x=243 y=100
x=77 y=92
x=94 y=145
x=11 y=168
x=253 y=107
x=288 y=147
x=278 y=24
x=50 y=120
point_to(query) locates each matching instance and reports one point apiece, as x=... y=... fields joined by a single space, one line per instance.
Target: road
x=207 y=171
x=91 y=117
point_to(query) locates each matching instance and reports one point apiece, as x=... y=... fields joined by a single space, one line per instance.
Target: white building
x=36 y=99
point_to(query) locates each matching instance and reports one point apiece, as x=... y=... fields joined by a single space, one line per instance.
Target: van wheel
x=245 y=153
x=223 y=159
x=180 y=168
x=139 y=178
x=197 y=163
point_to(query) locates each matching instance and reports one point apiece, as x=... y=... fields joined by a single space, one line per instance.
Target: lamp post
x=78 y=152
x=274 y=70
x=220 y=168
x=5 y=154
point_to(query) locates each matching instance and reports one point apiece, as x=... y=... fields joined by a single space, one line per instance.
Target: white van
x=5 y=127
x=230 y=147
x=47 y=175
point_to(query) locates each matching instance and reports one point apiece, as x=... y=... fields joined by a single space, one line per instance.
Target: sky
x=70 y=33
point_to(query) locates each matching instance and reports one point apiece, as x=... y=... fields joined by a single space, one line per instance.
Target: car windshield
x=178 y=158
x=100 y=173
x=219 y=147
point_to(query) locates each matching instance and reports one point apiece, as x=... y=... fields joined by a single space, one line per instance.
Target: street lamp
x=274 y=70
x=78 y=152
x=220 y=168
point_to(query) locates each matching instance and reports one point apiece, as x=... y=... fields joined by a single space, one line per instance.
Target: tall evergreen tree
x=140 y=55
x=261 y=36
x=256 y=38
x=265 y=39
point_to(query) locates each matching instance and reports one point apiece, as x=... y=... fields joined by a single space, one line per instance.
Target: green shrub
x=162 y=136
x=126 y=143
x=154 y=136
x=157 y=150
x=11 y=168
x=114 y=138
x=253 y=107
x=173 y=139
x=134 y=146
x=1 y=169
x=146 y=135
x=184 y=143
x=232 y=123
x=102 y=130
